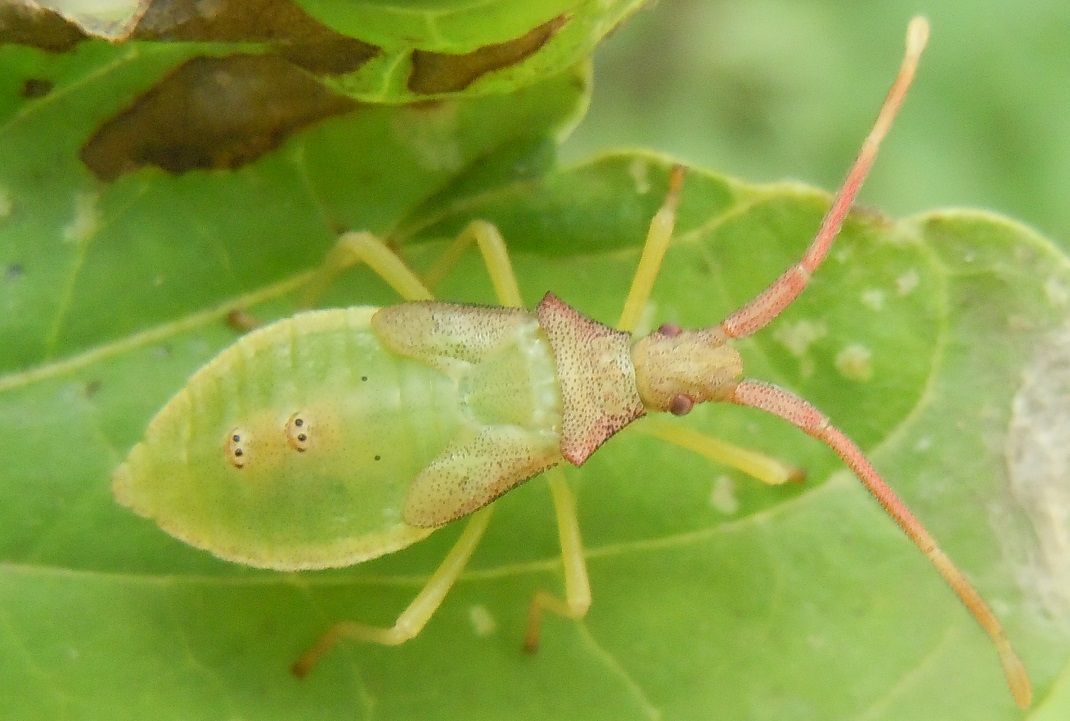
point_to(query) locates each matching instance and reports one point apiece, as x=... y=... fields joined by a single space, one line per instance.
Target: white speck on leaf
x=86 y=221
x=907 y=282
x=483 y=622
x=723 y=496
x=431 y=133
x=873 y=299
x=1057 y=292
x=855 y=362
x=799 y=336
x=639 y=170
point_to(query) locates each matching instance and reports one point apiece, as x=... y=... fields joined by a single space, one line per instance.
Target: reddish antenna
x=768 y=304
x=759 y=312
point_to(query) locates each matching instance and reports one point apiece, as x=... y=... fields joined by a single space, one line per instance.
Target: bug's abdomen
x=295 y=447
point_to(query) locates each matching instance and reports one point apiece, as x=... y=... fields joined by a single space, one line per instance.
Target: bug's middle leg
x=495 y=256
x=355 y=248
x=577 y=586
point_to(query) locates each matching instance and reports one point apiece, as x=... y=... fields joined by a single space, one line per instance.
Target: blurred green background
x=771 y=89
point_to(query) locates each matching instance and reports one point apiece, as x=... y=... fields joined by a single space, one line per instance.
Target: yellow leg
x=351 y=250
x=577 y=586
x=415 y=617
x=765 y=469
x=657 y=243
x=495 y=256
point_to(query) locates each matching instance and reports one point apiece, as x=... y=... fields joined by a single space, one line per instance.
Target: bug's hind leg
x=413 y=619
x=355 y=248
x=757 y=465
x=577 y=586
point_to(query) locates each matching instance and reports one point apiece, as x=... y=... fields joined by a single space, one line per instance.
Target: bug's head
x=676 y=368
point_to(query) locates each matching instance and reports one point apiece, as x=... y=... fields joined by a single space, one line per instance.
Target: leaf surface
x=935 y=341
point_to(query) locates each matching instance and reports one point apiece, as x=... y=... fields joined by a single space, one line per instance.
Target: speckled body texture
x=597 y=376
x=336 y=436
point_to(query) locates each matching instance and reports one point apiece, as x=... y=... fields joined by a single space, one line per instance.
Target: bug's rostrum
x=692 y=363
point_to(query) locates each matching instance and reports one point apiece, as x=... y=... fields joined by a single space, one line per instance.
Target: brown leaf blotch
x=209 y=114
x=447 y=73
x=280 y=24
x=38 y=28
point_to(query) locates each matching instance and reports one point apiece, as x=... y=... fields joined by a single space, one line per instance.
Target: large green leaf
x=935 y=341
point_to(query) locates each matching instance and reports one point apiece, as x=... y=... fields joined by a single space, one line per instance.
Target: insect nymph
x=265 y=457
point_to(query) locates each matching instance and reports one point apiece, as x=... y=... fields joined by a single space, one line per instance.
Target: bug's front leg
x=768 y=470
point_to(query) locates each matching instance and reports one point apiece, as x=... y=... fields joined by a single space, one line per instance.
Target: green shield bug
x=280 y=453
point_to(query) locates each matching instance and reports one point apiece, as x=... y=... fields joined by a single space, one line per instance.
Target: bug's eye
x=298 y=433
x=681 y=405
x=670 y=330
x=235 y=448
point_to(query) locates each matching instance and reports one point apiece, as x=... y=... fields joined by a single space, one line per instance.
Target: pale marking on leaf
x=5 y=203
x=152 y=335
x=923 y=444
x=797 y=337
x=86 y=221
x=855 y=362
x=483 y=622
x=907 y=282
x=723 y=496
x=617 y=668
x=873 y=299
x=639 y=169
x=1057 y=292
x=431 y=133
x=80 y=230
x=1038 y=463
